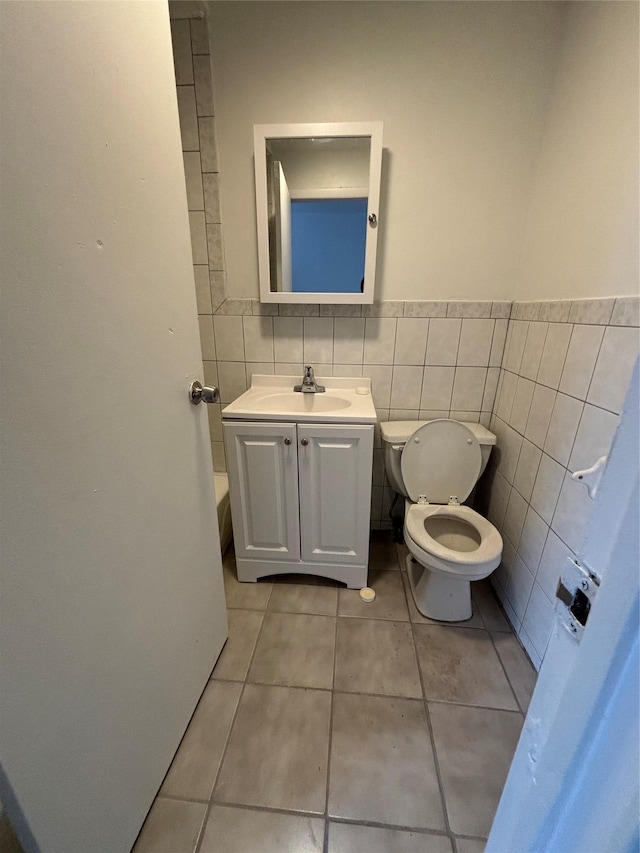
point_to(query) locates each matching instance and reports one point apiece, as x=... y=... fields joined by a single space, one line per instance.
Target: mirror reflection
x=317 y=198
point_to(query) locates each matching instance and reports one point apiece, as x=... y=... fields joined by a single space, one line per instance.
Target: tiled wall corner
x=564 y=374
x=190 y=40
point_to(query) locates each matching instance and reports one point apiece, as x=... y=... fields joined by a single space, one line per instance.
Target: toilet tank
x=395 y=435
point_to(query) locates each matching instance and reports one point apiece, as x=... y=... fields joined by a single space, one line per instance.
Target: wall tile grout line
x=586 y=396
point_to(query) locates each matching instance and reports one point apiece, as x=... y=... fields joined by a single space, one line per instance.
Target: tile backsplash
x=420 y=367
x=547 y=377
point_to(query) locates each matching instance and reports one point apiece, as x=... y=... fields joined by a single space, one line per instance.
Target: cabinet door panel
x=263 y=490
x=335 y=492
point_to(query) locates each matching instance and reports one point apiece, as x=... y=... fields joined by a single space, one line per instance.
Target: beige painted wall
x=322 y=167
x=581 y=237
x=462 y=89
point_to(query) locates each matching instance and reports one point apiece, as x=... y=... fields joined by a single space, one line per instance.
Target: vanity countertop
x=273 y=398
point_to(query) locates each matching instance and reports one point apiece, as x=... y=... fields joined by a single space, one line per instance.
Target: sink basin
x=272 y=398
x=298 y=402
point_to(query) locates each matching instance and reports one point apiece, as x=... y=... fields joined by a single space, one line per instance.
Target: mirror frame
x=263 y=132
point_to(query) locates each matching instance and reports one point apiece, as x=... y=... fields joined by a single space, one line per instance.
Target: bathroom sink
x=272 y=398
x=298 y=402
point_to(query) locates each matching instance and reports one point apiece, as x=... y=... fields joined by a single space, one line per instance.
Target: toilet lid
x=442 y=459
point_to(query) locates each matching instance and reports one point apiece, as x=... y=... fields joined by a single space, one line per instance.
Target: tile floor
x=338 y=726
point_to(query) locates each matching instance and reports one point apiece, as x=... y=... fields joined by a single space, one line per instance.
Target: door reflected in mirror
x=316 y=188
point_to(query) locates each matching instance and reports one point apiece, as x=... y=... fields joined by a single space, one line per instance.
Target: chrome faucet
x=309 y=384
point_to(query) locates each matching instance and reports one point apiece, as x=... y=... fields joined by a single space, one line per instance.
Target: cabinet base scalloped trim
x=249 y=571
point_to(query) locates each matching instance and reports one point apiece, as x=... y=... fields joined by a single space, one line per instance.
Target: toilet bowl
x=436 y=466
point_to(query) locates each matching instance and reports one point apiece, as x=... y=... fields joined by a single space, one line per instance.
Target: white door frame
x=283 y=232
x=573 y=783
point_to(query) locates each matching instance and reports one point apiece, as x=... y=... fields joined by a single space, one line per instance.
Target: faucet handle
x=309 y=383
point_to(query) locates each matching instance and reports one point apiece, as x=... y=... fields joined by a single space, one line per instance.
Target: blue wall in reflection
x=328 y=241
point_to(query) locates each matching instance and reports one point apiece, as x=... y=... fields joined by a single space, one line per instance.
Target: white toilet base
x=438 y=596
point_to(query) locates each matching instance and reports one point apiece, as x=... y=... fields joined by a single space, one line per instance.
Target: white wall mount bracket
x=591 y=476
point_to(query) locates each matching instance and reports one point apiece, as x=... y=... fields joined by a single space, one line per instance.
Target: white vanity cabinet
x=300 y=498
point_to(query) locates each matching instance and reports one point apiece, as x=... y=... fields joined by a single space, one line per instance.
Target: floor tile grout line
x=373 y=618
x=318 y=816
x=200 y=838
x=510 y=631
x=427 y=712
x=475 y=707
x=436 y=761
x=176 y=799
x=252 y=807
x=159 y=794
x=426 y=701
x=523 y=710
x=421 y=830
x=203 y=828
x=398 y=696
x=432 y=739
x=500 y=660
x=325 y=846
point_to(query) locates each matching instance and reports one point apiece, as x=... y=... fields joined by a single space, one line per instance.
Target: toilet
x=435 y=465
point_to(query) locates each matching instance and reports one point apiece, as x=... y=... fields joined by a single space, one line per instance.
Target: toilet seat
x=441 y=461
x=485 y=557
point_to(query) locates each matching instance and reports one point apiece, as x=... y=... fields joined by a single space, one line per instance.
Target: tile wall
x=565 y=371
x=420 y=366
x=194 y=89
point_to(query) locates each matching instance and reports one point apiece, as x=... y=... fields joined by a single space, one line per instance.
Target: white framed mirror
x=317 y=197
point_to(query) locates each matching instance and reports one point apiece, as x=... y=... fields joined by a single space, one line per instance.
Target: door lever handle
x=199 y=393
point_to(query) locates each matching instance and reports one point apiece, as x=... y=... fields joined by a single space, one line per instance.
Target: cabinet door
x=335 y=492
x=263 y=489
